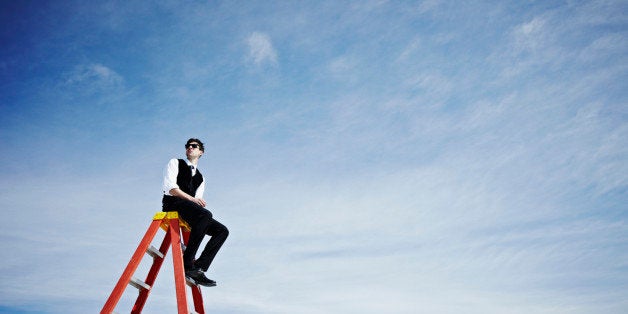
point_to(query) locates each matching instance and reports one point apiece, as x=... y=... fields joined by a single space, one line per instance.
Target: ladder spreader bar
x=154 y=252
x=139 y=284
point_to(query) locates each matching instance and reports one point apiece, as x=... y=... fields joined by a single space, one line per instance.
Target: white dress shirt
x=170 y=178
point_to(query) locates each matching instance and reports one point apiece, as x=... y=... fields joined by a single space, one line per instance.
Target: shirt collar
x=189 y=163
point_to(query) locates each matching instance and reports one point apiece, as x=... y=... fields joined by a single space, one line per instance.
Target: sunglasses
x=191 y=145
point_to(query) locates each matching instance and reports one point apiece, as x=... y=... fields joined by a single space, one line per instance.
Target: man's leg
x=219 y=234
x=198 y=218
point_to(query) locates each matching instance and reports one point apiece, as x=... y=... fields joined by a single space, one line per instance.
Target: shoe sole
x=194 y=283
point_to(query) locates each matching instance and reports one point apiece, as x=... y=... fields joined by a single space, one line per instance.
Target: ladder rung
x=190 y=281
x=154 y=252
x=139 y=284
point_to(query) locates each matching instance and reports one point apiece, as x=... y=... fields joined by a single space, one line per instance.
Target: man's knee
x=223 y=233
x=206 y=215
x=219 y=231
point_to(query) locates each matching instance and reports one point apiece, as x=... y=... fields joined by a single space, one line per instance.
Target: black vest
x=186 y=182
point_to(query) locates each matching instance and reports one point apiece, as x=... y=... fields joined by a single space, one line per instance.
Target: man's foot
x=200 y=279
x=193 y=271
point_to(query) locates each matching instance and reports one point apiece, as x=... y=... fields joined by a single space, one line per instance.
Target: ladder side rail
x=197 y=296
x=186 y=236
x=198 y=299
x=119 y=288
x=152 y=275
x=177 y=261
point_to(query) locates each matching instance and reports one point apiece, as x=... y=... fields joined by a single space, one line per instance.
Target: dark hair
x=201 y=147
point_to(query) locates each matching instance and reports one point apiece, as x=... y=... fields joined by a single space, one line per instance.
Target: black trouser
x=201 y=223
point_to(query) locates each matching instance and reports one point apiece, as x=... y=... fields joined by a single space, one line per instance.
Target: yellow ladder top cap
x=168 y=215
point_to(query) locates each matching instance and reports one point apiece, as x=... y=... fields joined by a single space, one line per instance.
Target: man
x=183 y=189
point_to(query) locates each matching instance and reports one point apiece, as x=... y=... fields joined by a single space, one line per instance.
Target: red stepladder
x=176 y=231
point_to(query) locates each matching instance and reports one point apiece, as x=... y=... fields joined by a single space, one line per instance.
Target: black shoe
x=195 y=263
x=193 y=271
x=200 y=279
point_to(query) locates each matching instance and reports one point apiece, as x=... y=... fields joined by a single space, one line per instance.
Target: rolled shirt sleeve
x=200 y=190
x=170 y=176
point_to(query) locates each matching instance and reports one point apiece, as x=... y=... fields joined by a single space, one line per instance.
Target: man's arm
x=180 y=194
x=201 y=190
x=170 y=176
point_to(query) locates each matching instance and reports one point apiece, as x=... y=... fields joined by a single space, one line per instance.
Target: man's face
x=192 y=149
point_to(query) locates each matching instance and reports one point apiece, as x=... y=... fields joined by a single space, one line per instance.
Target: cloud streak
x=94 y=74
x=261 y=50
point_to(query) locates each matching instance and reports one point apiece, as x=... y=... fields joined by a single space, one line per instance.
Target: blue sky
x=367 y=156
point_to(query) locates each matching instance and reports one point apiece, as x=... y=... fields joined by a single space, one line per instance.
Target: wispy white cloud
x=261 y=49
x=409 y=50
x=606 y=46
x=428 y=5
x=342 y=65
x=95 y=75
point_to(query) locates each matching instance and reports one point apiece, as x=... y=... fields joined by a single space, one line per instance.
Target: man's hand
x=179 y=193
x=199 y=201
